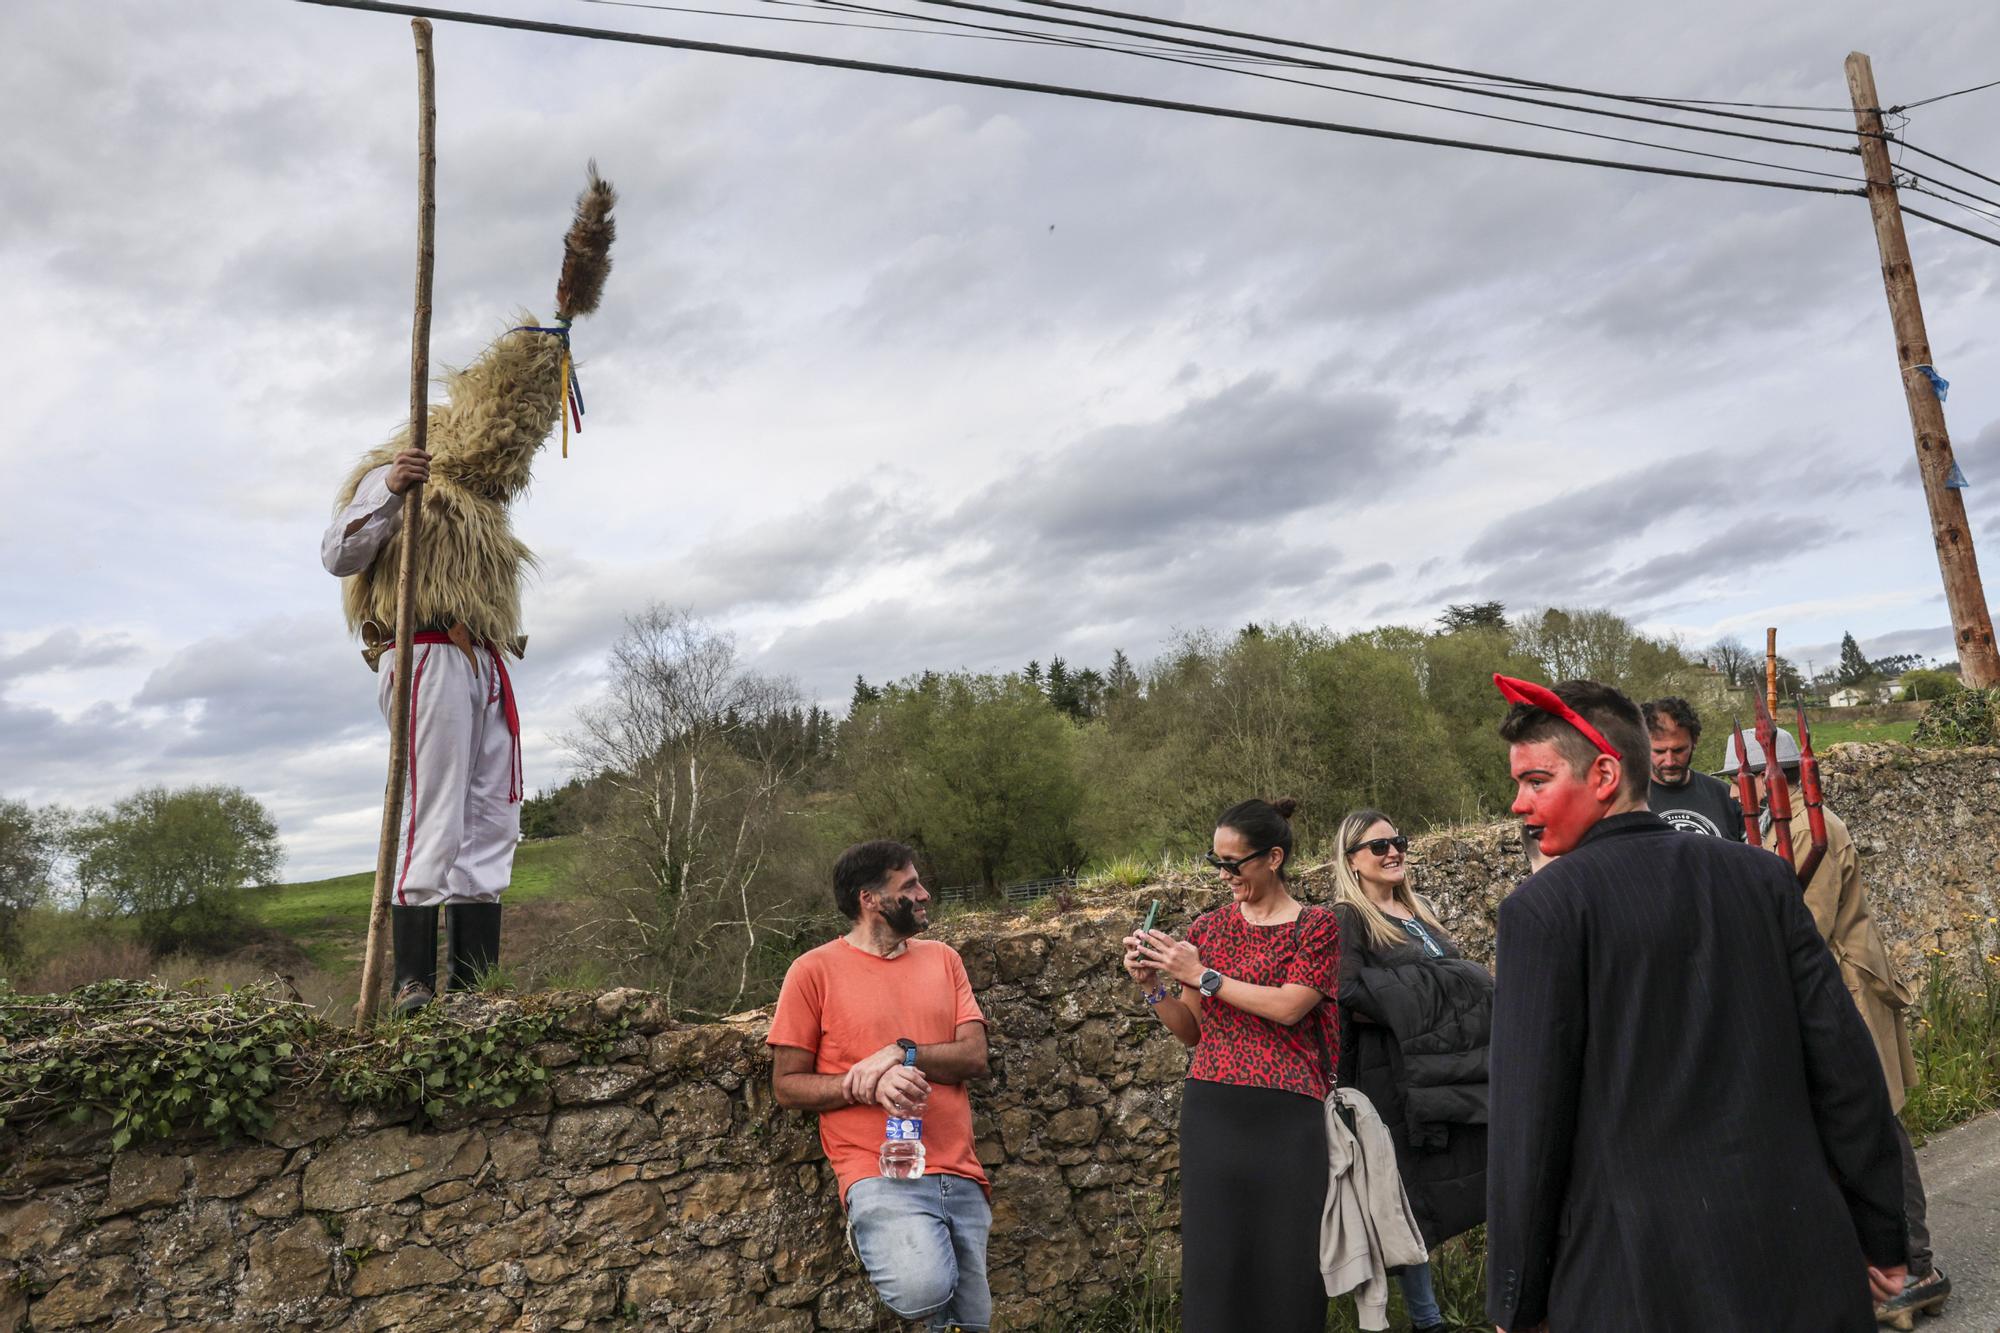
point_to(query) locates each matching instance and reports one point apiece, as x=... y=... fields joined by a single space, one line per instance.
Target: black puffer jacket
x=1413 y=1040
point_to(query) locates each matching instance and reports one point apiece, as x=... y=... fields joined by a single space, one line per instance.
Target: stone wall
x=663 y=1190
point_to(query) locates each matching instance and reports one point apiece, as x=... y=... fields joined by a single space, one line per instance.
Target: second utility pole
x=1971 y=622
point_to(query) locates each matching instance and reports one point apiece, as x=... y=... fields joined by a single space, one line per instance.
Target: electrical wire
x=973 y=5
x=1935 y=157
x=1987 y=214
x=1154 y=54
x=1050 y=39
x=1948 y=226
x=1686 y=103
x=1054 y=90
x=1977 y=88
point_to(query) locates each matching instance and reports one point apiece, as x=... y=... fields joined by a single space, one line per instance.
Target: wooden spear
x=372 y=971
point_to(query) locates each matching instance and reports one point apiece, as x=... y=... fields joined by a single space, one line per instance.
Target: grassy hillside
x=328 y=918
x=1825 y=732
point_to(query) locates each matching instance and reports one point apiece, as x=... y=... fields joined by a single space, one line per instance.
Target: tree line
x=710 y=798
x=175 y=862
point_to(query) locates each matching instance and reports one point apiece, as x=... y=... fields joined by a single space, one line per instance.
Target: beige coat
x=1840 y=910
x=1366 y=1226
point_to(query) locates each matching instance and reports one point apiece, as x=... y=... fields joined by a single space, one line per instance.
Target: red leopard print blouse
x=1249 y=1051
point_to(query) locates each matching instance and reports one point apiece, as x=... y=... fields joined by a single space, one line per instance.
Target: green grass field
x=329 y=917
x=1824 y=734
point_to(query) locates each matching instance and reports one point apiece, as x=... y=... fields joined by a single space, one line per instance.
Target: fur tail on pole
x=587 y=250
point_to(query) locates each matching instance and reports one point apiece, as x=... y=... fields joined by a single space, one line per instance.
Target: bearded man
x=1688 y=1126
x=1685 y=797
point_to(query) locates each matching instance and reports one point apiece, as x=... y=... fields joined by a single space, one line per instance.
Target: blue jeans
x=1419 y=1301
x=923 y=1243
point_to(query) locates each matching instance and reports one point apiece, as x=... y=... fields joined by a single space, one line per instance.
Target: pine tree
x=1033 y=675
x=1062 y=689
x=1853 y=666
x=1121 y=679
x=864 y=693
x=1089 y=693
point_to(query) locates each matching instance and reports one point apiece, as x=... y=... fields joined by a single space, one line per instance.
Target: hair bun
x=1284 y=805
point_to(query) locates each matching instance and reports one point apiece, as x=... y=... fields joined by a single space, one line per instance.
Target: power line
x=1430 y=82
x=1916 y=175
x=1699 y=105
x=1976 y=88
x=1935 y=157
x=1949 y=226
x=1970 y=208
x=1025 y=39
x=1053 y=90
x=1166 y=57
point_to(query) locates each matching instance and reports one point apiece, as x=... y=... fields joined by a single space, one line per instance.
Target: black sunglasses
x=1381 y=846
x=1229 y=866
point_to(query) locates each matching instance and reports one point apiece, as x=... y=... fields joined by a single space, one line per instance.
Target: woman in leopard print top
x=1265 y=1036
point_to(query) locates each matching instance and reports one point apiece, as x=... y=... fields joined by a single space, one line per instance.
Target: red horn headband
x=1546 y=699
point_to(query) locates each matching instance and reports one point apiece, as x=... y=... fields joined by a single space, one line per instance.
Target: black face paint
x=901 y=917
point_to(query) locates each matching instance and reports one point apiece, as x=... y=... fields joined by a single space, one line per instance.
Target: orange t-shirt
x=843 y=1005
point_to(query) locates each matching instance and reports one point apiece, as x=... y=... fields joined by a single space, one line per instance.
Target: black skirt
x=1253 y=1186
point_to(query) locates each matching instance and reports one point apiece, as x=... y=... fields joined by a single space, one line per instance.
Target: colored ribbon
x=1546 y=699
x=1939 y=384
x=572 y=389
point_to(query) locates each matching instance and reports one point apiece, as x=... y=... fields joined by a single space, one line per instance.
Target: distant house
x=1850 y=697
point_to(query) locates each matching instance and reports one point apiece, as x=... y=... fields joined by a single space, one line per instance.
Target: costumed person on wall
x=463 y=797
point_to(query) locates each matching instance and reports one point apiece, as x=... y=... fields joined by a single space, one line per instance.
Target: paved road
x=1961 y=1171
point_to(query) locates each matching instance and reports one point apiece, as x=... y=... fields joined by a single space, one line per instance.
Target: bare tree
x=1732 y=657
x=696 y=843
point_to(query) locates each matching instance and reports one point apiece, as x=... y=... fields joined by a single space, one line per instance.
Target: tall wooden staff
x=413 y=509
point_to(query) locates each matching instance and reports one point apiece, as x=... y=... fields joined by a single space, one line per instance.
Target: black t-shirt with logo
x=1704 y=805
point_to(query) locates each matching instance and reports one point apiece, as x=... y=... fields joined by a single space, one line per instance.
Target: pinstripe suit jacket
x=1689 y=1126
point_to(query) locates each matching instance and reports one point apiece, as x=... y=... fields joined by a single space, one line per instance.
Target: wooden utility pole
x=413 y=511
x=1971 y=622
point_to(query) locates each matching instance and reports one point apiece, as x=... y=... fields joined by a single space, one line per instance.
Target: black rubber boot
x=414 y=933
x=475 y=942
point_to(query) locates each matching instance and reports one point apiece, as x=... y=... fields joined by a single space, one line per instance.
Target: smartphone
x=1152 y=914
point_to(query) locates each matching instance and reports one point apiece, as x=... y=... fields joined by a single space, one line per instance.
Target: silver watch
x=1211 y=982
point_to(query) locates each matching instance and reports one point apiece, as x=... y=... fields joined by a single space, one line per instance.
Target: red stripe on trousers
x=410 y=842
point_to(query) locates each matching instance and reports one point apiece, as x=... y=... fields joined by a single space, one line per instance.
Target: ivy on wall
x=149 y=1063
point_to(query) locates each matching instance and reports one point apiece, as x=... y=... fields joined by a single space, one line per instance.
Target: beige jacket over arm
x=1840 y=910
x=1367 y=1226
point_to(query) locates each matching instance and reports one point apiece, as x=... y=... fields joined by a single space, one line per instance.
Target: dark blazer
x=1689 y=1128
x=1413 y=1035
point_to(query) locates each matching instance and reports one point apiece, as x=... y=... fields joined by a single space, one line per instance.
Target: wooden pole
x=372 y=971
x=1971 y=621
x=1771 y=670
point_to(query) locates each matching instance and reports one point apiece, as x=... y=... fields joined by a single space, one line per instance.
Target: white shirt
x=359 y=531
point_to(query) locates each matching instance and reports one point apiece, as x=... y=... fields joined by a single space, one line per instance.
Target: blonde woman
x=1414 y=1017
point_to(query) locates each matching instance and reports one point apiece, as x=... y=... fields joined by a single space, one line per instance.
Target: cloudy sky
x=896 y=374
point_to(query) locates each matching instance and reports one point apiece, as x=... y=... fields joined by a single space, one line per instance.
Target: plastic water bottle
x=902 y=1155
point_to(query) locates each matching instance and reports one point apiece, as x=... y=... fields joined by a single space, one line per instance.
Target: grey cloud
x=1250 y=455
x=1750 y=274
x=67 y=649
x=277 y=687
x=1616 y=509
x=1938 y=641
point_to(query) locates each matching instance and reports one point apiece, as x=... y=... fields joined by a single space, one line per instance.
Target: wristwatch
x=909 y=1051
x=1211 y=982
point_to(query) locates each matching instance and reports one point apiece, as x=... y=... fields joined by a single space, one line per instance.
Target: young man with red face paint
x=1688 y=1125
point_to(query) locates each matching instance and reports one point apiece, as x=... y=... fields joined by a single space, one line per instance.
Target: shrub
x=177 y=861
x=1971 y=717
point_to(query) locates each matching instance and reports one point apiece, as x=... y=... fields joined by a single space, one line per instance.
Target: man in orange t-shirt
x=878 y=1024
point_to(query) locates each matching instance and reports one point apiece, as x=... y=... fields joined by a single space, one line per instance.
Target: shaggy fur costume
x=482 y=442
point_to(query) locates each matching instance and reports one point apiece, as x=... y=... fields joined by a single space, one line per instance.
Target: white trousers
x=461 y=808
